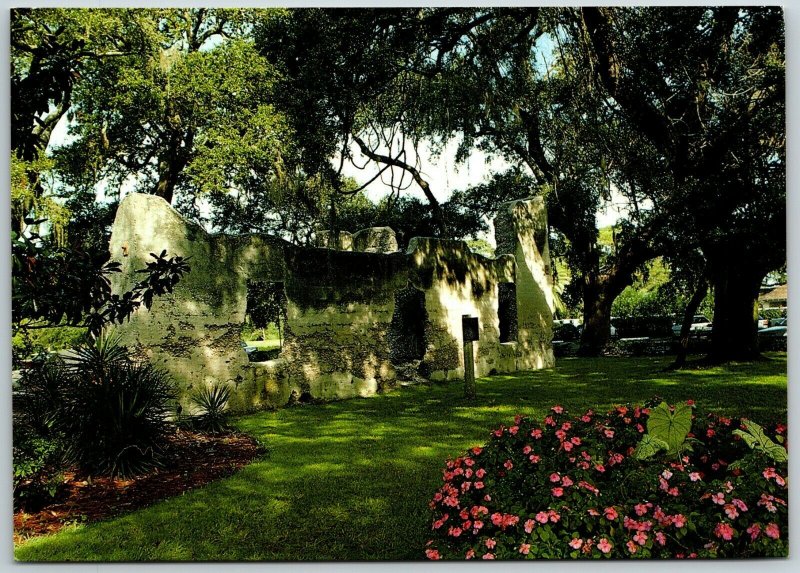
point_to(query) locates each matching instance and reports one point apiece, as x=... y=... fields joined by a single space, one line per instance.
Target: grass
x=351 y=480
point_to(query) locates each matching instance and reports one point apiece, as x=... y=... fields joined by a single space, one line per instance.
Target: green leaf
x=671 y=427
x=758 y=440
x=649 y=446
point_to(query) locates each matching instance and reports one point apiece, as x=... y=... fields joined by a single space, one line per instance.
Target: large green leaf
x=649 y=446
x=758 y=440
x=670 y=427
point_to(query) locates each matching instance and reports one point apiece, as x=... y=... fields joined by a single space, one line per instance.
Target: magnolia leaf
x=649 y=446
x=758 y=440
x=671 y=427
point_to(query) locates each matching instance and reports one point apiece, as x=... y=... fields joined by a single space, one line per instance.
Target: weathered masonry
x=359 y=317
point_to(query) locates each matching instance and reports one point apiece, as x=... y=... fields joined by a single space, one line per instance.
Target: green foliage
x=211 y=403
x=266 y=305
x=667 y=429
x=755 y=437
x=567 y=487
x=107 y=413
x=54 y=285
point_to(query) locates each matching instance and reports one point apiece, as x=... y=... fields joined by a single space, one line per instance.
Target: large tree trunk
x=734 y=332
x=597 y=301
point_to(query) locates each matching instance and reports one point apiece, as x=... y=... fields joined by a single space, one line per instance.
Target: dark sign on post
x=469 y=325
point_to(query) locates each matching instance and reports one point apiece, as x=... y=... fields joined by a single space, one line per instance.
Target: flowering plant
x=571 y=487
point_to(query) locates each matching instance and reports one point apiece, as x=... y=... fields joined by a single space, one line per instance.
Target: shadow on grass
x=351 y=480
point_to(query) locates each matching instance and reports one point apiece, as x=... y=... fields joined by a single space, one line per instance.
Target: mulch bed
x=194 y=459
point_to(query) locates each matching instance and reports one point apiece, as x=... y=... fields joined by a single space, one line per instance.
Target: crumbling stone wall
x=521 y=231
x=340 y=304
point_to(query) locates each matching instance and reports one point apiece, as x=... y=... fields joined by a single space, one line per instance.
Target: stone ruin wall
x=341 y=304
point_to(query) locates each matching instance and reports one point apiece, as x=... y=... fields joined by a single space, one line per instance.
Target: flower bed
x=578 y=487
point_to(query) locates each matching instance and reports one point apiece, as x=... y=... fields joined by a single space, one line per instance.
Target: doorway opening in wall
x=507 y=311
x=407 y=342
x=265 y=320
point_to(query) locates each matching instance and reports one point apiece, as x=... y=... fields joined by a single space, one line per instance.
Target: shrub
x=571 y=487
x=107 y=413
x=211 y=403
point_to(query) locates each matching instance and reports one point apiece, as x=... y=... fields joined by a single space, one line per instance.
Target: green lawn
x=351 y=480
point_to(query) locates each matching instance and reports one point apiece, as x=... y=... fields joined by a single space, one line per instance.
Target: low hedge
x=603 y=486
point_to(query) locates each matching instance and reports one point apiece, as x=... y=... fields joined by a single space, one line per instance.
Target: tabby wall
x=355 y=316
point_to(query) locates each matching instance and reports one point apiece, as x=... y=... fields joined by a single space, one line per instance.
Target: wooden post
x=469 y=371
x=469 y=328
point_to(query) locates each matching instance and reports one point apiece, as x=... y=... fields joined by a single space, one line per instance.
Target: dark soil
x=193 y=460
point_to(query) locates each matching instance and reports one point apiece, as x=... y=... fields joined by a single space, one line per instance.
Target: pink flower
x=610 y=513
x=724 y=531
x=477 y=525
x=640 y=509
x=609 y=433
x=470 y=554
x=499 y=431
x=640 y=537
x=553 y=515
x=773 y=531
x=508 y=465
x=575 y=440
x=666 y=474
x=477 y=450
x=480 y=473
x=534 y=458
x=468 y=473
x=478 y=485
x=497 y=519
x=593 y=512
x=730 y=511
x=454 y=531
x=557 y=491
x=694 y=476
x=542 y=517
x=567 y=446
x=600 y=467
x=754 y=531
x=661 y=538
x=526 y=450
x=769 y=473
x=632 y=546
x=549 y=421
x=561 y=435
x=604 y=545
x=718 y=498
x=488 y=556
x=586 y=418
x=678 y=520
x=529 y=525
x=576 y=543
x=525 y=548
x=432 y=554
x=742 y=506
x=554 y=477
x=557 y=409
x=490 y=543
x=536 y=433
x=513 y=430
x=566 y=481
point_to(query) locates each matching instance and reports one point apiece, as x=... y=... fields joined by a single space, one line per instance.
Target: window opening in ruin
x=265 y=320
x=407 y=329
x=507 y=311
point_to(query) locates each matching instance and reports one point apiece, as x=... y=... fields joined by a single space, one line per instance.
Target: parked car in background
x=778 y=327
x=700 y=326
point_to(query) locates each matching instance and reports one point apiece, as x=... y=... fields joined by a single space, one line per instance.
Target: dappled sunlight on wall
x=344 y=333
